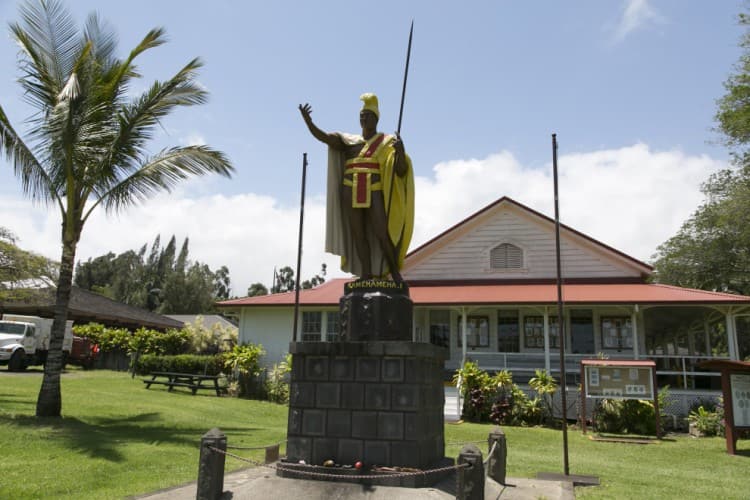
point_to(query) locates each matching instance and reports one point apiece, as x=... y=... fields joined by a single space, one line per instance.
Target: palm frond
x=162 y=173
x=138 y=120
x=34 y=179
x=51 y=31
x=120 y=74
x=103 y=39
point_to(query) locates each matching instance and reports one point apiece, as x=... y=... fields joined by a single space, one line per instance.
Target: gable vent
x=506 y=256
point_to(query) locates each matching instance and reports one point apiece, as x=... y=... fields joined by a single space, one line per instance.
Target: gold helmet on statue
x=370 y=101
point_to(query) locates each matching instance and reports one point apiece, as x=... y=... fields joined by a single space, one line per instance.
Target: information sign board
x=619 y=382
x=740 y=387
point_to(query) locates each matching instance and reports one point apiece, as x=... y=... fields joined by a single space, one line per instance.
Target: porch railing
x=681 y=366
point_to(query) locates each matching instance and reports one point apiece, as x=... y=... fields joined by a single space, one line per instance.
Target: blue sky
x=628 y=86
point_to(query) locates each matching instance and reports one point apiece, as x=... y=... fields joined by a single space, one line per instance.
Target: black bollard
x=470 y=479
x=211 y=466
x=499 y=457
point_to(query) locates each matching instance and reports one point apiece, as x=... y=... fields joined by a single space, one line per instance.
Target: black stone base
x=349 y=474
x=376 y=310
x=379 y=403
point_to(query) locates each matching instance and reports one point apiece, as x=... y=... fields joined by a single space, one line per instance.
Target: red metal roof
x=329 y=293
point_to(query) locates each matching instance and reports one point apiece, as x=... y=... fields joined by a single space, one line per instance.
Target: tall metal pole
x=299 y=246
x=560 y=320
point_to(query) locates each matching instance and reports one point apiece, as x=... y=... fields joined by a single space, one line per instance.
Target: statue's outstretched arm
x=333 y=140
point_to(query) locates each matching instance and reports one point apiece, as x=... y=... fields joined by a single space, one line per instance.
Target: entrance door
x=582 y=333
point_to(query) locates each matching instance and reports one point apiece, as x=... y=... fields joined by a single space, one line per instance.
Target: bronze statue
x=370 y=200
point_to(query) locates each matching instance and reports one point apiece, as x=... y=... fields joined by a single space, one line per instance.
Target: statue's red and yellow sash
x=362 y=169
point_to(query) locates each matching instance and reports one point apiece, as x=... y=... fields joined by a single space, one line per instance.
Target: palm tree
x=86 y=145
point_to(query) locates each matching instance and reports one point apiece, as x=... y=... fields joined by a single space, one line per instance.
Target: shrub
x=497 y=399
x=545 y=386
x=477 y=391
x=109 y=339
x=243 y=366
x=277 y=385
x=708 y=422
x=631 y=416
x=212 y=340
x=144 y=340
x=147 y=341
x=181 y=363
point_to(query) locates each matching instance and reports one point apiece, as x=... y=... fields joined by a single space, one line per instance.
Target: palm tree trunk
x=49 y=402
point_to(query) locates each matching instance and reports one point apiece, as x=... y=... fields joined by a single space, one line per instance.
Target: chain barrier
x=388 y=473
x=489 y=455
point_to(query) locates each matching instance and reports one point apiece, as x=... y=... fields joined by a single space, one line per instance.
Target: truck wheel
x=17 y=362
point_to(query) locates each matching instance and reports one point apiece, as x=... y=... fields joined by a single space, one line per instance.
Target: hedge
x=180 y=363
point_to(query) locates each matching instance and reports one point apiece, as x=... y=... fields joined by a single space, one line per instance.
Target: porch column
x=463 y=336
x=634 y=322
x=546 y=340
x=707 y=337
x=732 y=336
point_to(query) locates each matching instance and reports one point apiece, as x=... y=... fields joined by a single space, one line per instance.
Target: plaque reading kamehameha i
x=376 y=309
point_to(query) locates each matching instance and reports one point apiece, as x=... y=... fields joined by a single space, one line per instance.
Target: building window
x=506 y=256
x=440 y=328
x=311 y=324
x=477 y=331
x=332 y=326
x=617 y=332
x=507 y=331
x=533 y=332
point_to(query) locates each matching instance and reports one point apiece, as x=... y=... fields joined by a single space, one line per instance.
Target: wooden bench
x=192 y=381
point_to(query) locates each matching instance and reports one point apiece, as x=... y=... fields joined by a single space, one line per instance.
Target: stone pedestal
x=373 y=397
x=380 y=403
x=376 y=310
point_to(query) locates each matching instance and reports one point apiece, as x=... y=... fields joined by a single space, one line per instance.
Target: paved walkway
x=261 y=483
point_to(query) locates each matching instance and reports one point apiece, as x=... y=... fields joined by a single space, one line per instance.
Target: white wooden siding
x=466 y=254
x=271 y=327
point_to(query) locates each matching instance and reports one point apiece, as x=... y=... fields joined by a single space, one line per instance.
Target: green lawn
x=118 y=439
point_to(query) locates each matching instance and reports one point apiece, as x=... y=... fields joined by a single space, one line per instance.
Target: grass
x=117 y=439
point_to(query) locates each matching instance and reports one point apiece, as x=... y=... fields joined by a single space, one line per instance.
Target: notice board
x=620 y=382
x=619 y=379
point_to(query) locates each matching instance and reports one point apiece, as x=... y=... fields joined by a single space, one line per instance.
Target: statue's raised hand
x=306 y=111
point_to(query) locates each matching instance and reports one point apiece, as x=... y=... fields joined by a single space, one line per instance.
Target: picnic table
x=192 y=381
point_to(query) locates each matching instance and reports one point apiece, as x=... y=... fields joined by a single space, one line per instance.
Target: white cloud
x=635 y=14
x=630 y=198
x=193 y=139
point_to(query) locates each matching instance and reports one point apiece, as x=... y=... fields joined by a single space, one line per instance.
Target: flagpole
x=560 y=319
x=299 y=247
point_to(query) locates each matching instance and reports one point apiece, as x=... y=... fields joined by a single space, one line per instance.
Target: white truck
x=24 y=340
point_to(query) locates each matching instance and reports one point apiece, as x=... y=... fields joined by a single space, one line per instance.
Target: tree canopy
x=711 y=250
x=284 y=280
x=88 y=135
x=17 y=266
x=165 y=281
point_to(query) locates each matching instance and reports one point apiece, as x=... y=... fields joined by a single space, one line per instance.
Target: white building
x=486 y=289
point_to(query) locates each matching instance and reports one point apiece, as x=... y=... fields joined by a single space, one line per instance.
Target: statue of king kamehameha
x=370 y=200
